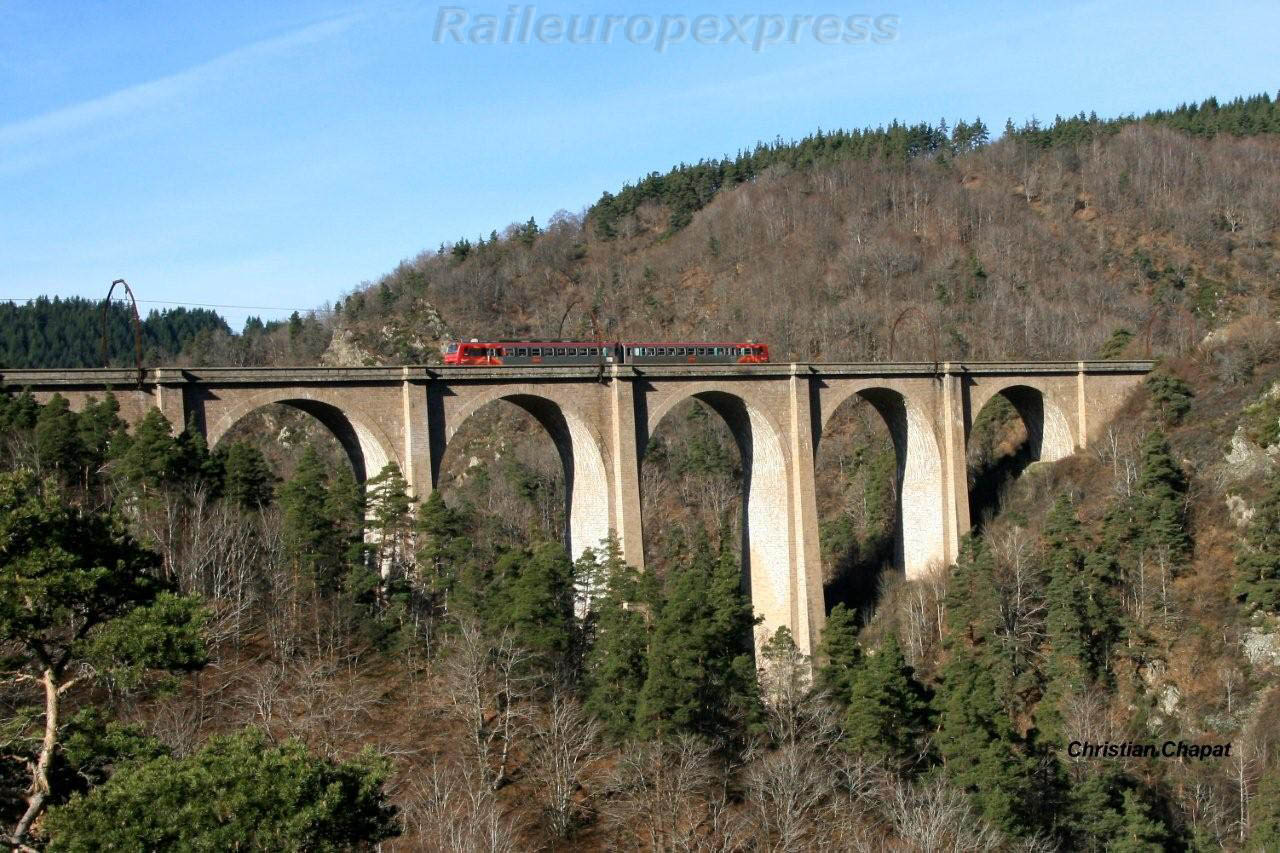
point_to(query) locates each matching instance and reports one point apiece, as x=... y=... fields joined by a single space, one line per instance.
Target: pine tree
x=1069 y=635
x=1264 y=815
x=701 y=678
x=196 y=465
x=1163 y=488
x=981 y=752
x=103 y=435
x=238 y=791
x=58 y=441
x=784 y=670
x=1170 y=396
x=78 y=598
x=1258 y=556
x=734 y=624
x=972 y=602
x=307 y=524
x=21 y=412
x=390 y=511
x=443 y=550
x=1138 y=831
x=839 y=654
x=888 y=711
x=1096 y=816
x=617 y=663
x=250 y=484
x=1115 y=345
x=153 y=458
x=537 y=603
x=346 y=509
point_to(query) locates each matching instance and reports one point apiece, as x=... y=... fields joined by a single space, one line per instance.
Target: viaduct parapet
x=601 y=421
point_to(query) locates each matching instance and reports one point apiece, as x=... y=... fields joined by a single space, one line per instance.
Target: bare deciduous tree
x=488 y=686
x=660 y=793
x=936 y=818
x=450 y=807
x=564 y=743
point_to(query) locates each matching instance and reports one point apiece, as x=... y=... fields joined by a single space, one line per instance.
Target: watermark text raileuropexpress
x=526 y=25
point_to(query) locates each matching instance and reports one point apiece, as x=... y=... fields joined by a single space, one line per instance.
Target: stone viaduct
x=601 y=420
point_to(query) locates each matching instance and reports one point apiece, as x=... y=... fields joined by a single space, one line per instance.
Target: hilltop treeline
x=685 y=189
x=1251 y=116
x=68 y=333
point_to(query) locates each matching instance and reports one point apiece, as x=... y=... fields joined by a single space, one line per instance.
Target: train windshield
x=452 y=349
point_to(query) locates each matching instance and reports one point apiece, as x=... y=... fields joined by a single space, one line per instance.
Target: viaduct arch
x=766 y=534
x=600 y=421
x=1049 y=432
x=368 y=450
x=919 y=533
x=581 y=456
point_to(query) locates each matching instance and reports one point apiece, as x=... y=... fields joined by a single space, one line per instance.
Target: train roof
x=694 y=343
x=575 y=342
x=530 y=341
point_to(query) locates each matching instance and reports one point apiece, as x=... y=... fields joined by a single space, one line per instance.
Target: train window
x=719 y=351
x=559 y=350
x=702 y=350
x=535 y=351
x=500 y=351
x=573 y=351
x=521 y=352
x=595 y=350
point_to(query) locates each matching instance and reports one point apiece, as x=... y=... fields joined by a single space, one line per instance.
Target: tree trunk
x=38 y=793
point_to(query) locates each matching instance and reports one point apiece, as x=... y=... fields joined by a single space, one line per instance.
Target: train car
x=480 y=353
x=522 y=353
x=683 y=352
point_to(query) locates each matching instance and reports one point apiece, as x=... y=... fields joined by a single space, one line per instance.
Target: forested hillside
x=264 y=630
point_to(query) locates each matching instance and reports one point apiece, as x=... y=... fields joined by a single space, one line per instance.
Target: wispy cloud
x=107 y=109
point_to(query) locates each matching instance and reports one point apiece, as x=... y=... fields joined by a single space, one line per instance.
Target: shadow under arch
x=765 y=530
x=366 y=448
x=919 y=534
x=585 y=485
x=1048 y=439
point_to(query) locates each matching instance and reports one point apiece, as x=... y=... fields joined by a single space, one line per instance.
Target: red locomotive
x=521 y=353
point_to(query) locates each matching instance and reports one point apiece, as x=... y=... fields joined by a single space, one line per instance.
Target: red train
x=519 y=353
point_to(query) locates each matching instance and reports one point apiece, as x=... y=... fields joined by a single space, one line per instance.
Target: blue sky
x=279 y=154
